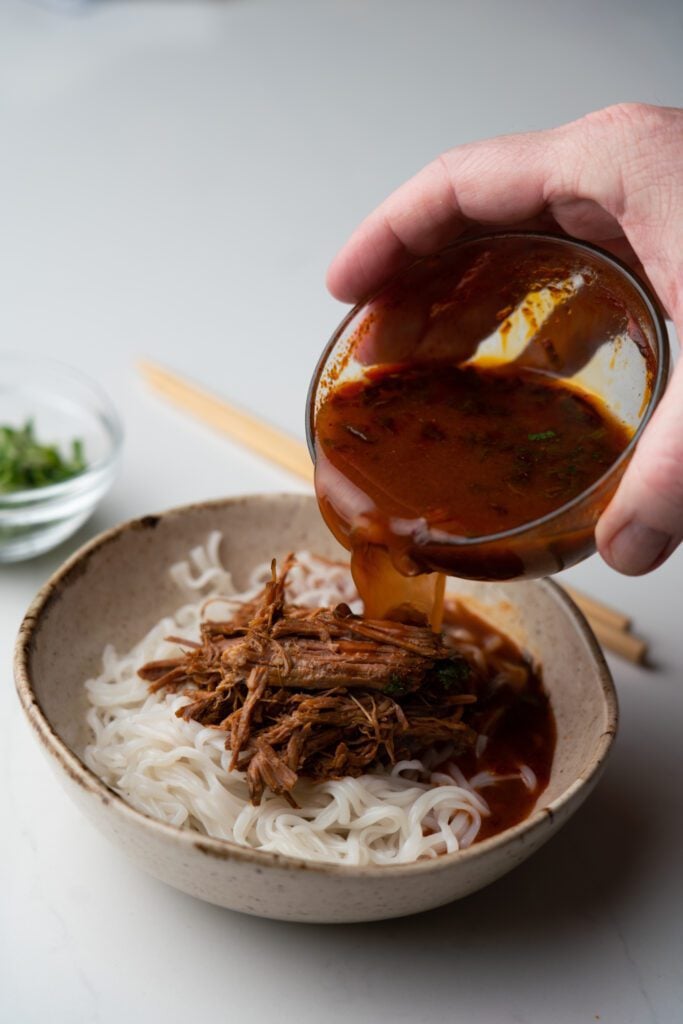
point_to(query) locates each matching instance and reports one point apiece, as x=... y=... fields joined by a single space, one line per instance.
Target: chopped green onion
x=545 y=435
x=25 y=463
x=453 y=673
x=396 y=686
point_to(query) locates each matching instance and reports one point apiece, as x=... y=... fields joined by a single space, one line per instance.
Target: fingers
x=444 y=313
x=418 y=218
x=644 y=522
x=498 y=182
x=613 y=177
x=597 y=178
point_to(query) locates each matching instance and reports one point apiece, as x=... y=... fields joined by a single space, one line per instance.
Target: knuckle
x=613 y=151
x=630 y=123
x=627 y=116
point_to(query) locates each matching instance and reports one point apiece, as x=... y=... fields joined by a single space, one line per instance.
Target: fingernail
x=636 y=548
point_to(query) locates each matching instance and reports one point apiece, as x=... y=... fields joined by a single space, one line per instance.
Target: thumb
x=643 y=523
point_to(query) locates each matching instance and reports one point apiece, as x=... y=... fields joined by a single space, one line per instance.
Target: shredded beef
x=319 y=693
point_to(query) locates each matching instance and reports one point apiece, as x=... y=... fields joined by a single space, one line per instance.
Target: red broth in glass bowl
x=475 y=416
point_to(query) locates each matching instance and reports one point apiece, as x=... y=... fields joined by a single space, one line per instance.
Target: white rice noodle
x=177 y=771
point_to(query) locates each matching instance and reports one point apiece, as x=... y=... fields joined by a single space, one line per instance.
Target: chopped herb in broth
x=489 y=448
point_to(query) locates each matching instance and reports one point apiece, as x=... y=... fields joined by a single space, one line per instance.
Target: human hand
x=615 y=177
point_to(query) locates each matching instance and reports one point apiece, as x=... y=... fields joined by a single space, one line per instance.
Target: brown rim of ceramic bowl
x=662 y=355
x=224 y=849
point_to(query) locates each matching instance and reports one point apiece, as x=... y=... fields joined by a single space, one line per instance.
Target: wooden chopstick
x=619 y=641
x=611 y=627
x=596 y=610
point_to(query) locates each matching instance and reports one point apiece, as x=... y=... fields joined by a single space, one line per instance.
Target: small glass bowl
x=549 y=302
x=64 y=405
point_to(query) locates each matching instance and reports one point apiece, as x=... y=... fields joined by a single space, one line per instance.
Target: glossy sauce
x=412 y=456
x=520 y=726
x=471 y=450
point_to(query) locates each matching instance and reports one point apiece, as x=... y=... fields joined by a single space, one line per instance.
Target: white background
x=174 y=178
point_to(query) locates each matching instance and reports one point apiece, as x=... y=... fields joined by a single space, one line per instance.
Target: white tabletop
x=174 y=179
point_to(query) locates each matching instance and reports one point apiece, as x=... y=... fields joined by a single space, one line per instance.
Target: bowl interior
x=119 y=586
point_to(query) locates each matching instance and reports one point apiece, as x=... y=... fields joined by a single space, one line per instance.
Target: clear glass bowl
x=64 y=405
x=543 y=301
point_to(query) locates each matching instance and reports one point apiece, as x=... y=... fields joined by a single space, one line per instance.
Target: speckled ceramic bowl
x=115 y=587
